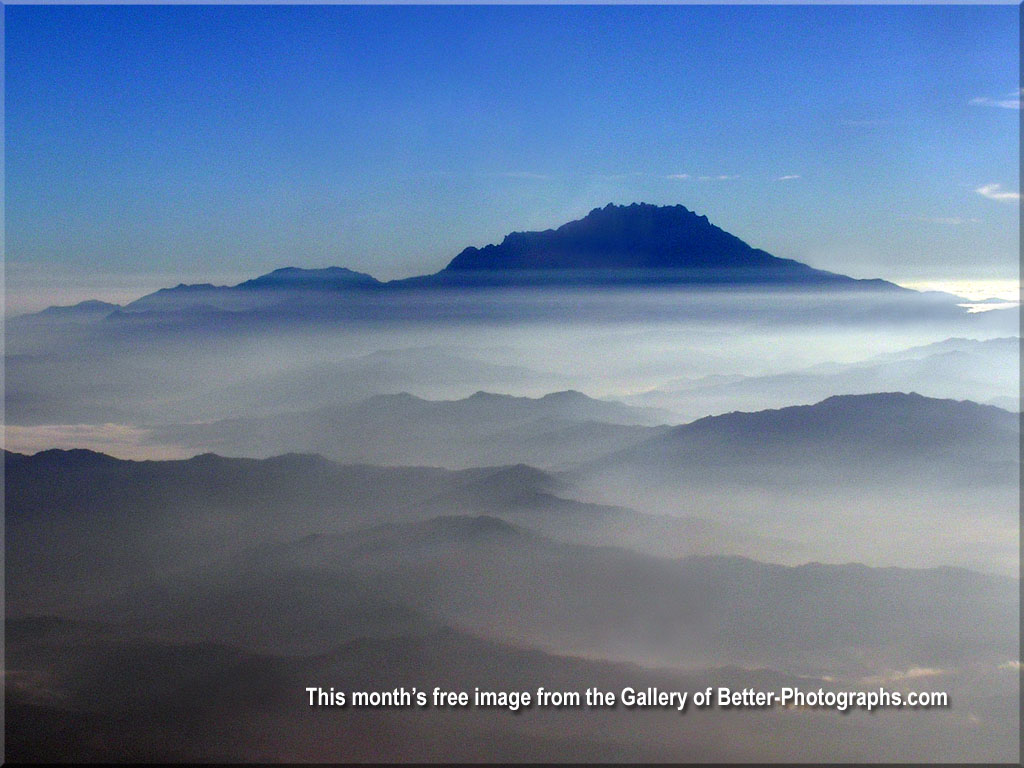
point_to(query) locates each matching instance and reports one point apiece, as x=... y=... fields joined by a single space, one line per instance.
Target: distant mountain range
x=689 y=611
x=104 y=387
x=93 y=491
x=557 y=430
x=279 y=286
x=902 y=456
x=983 y=370
x=880 y=437
x=877 y=434
x=634 y=245
x=881 y=441
x=158 y=546
x=180 y=594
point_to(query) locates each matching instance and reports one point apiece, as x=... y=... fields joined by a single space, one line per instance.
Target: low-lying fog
x=669 y=351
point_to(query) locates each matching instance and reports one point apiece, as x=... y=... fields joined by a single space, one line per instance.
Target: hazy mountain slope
x=291 y=610
x=525 y=497
x=97 y=383
x=986 y=371
x=150 y=541
x=876 y=437
x=997 y=347
x=79 y=682
x=557 y=430
x=502 y=581
x=84 y=311
x=78 y=485
x=127 y=521
x=940 y=477
x=226 y=586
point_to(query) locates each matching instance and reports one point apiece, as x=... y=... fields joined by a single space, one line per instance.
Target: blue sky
x=148 y=145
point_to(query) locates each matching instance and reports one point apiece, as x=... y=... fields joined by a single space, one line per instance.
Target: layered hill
x=202 y=549
x=557 y=430
x=986 y=371
x=879 y=436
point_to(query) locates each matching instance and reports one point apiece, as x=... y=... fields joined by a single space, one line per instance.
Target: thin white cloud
x=524 y=175
x=996 y=192
x=953 y=221
x=685 y=176
x=788 y=177
x=1010 y=101
x=619 y=176
x=897 y=675
x=973 y=290
x=866 y=123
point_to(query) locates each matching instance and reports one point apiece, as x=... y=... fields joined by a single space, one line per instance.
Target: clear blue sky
x=151 y=144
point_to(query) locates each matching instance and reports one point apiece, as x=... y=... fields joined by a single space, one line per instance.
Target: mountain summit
x=638 y=243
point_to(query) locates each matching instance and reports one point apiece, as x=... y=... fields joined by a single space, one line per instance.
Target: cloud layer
x=996 y=192
x=1010 y=101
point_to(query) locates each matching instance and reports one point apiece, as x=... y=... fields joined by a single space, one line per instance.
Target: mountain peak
x=82 y=310
x=636 y=243
x=317 y=279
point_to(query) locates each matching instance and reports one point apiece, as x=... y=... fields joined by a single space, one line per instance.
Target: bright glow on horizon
x=975 y=290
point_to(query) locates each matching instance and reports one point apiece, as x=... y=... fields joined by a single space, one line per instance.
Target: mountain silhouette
x=617 y=245
x=638 y=243
x=317 y=279
x=272 y=289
